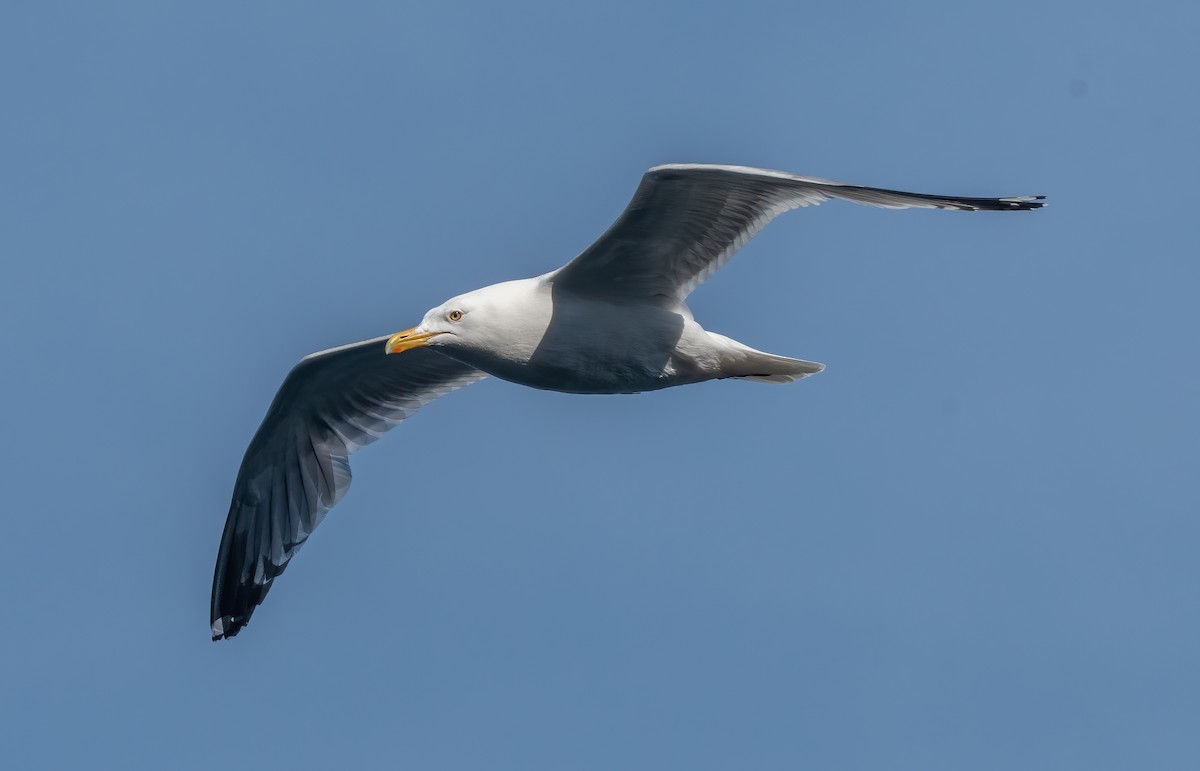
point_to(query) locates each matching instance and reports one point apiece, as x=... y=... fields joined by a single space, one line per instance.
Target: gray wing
x=297 y=465
x=687 y=220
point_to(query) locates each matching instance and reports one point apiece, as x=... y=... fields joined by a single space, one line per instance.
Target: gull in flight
x=613 y=320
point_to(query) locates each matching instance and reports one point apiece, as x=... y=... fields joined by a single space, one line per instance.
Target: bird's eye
x=455 y=315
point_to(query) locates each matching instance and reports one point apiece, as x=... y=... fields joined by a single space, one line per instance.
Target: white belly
x=599 y=348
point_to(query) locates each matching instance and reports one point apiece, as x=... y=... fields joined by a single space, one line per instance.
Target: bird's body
x=605 y=355
x=613 y=320
x=558 y=341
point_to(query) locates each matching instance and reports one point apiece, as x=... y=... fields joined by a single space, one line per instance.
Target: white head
x=479 y=320
x=451 y=322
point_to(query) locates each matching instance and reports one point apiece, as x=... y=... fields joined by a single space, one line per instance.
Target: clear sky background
x=971 y=543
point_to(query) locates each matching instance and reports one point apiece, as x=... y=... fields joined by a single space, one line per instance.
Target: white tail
x=739 y=360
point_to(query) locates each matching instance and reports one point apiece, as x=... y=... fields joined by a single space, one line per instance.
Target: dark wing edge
x=686 y=220
x=297 y=465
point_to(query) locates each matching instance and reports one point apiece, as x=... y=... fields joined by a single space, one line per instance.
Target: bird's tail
x=742 y=361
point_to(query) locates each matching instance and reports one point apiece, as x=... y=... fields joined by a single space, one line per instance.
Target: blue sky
x=969 y=543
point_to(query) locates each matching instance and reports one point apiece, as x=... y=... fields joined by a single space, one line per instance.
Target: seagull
x=613 y=320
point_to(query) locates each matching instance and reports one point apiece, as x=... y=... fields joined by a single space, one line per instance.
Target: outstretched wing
x=297 y=465
x=687 y=220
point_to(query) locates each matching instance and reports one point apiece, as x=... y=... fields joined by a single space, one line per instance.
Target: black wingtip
x=237 y=590
x=1013 y=203
x=233 y=607
x=1022 y=203
x=234 y=598
x=227 y=626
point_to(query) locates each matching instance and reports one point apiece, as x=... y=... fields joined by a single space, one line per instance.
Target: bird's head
x=506 y=319
x=456 y=322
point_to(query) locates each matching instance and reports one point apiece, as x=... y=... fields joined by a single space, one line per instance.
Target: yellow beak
x=409 y=338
